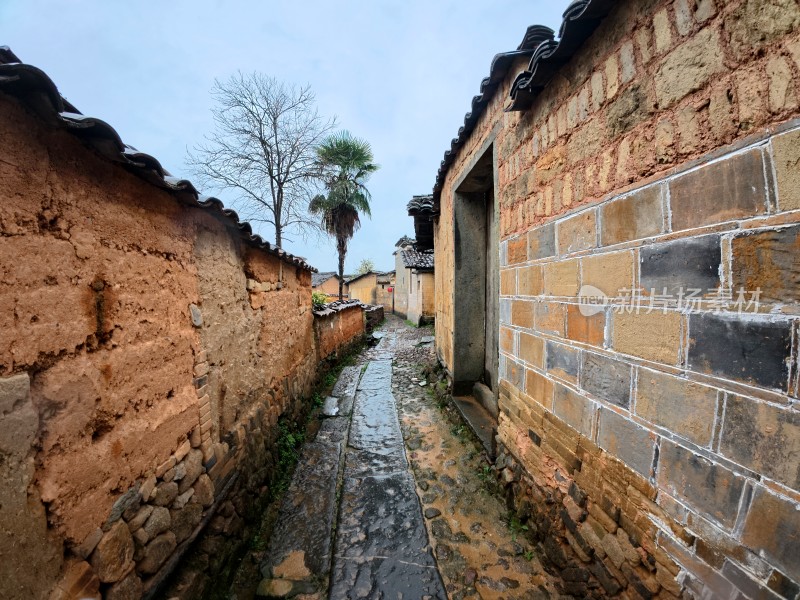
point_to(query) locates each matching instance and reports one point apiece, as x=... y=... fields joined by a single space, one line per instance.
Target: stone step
x=482 y=424
x=486 y=398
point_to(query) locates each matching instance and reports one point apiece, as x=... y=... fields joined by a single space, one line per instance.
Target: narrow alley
x=394 y=498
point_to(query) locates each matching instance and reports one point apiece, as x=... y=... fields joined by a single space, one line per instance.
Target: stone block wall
x=646 y=373
x=146 y=356
x=373 y=317
x=656 y=448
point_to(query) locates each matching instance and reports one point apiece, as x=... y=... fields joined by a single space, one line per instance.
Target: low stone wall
x=337 y=325
x=148 y=349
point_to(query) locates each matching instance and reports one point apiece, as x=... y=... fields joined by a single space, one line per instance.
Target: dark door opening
x=476 y=285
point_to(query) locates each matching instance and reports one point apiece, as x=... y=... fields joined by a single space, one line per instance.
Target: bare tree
x=263 y=149
x=365 y=266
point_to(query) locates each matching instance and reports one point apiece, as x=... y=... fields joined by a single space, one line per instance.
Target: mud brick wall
x=337 y=328
x=146 y=356
x=657 y=451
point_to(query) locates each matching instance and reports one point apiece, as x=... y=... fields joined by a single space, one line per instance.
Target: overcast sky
x=399 y=74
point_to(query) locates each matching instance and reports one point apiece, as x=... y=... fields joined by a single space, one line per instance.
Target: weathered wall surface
x=146 y=354
x=338 y=328
x=383 y=297
x=421 y=297
x=402 y=281
x=331 y=288
x=364 y=289
x=664 y=159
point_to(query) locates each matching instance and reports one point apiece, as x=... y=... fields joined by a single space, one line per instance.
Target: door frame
x=476 y=272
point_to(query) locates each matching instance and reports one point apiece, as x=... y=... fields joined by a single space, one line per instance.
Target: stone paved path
x=393 y=499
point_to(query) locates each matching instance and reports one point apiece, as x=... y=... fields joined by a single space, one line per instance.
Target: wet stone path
x=393 y=499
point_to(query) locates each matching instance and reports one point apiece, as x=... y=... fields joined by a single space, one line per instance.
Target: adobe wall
x=146 y=355
x=331 y=288
x=338 y=328
x=659 y=448
x=383 y=297
x=365 y=290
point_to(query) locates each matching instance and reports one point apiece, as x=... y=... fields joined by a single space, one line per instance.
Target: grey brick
x=685 y=264
x=745 y=582
x=705 y=485
x=505 y=311
x=764 y=438
x=771 y=530
x=575 y=410
x=623 y=438
x=726 y=190
x=606 y=378
x=513 y=372
x=542 y=242
x=563 y=361
x=751 y=350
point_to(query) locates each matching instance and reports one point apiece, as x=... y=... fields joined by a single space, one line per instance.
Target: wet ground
x=394 y=498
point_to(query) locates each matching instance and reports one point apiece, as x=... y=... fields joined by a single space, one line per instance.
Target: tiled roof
x=421 y=260
x=334 y=307
x=423 y=209
x=320 y=278
x=421 y=205
x=404 y=241
x=581 y=18
x=36 y=90
x=546 y=56
x=359 y=276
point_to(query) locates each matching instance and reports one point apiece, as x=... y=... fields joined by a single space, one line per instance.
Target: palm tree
x=345 y=163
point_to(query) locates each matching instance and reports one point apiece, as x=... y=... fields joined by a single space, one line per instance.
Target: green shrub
x=319 y=298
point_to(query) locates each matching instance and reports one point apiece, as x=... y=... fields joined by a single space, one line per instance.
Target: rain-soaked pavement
x=393 y=499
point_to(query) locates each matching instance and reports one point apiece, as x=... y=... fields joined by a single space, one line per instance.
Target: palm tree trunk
x=341 y=247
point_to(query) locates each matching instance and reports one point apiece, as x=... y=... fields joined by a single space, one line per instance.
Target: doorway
x=476 y=284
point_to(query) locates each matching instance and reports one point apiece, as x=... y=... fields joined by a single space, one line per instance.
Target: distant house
x=415 y=290
x=373 y=287
x=402 y=277
x=421 y=285
x=328 y=284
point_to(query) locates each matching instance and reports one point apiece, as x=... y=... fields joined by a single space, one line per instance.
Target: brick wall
x=659 y=446
x=146 y=356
